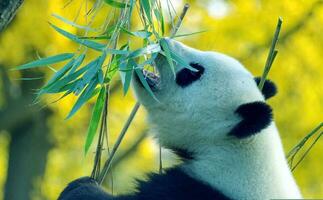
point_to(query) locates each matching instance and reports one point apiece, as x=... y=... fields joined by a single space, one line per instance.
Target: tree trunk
x=27 y=157
x=30 y=142
x=8 y=9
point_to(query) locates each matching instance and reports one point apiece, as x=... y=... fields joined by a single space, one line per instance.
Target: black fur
x=185 y=77
x=84 y=188
x=269 y=90
x=255 y=117
x=174 y=184
x=183 y=154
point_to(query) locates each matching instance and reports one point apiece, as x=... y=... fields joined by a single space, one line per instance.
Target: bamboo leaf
x=88 y=43
x=141 y=33
x=101 y=37
x=182 y=62
x=189 y=34
x=95 y=119
x=72 y=23
x=45 y=61
x=91 y=73
x=153 y=48
x=57 y=86
x=159 y=16
x=168 y=54
x=84 y=97
x=78 y=61
x=143 y=81
x=126 y=77
x=116 y=4
x=145 y=4
x=61 y=72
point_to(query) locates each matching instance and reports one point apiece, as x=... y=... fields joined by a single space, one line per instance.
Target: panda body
x=217 y=120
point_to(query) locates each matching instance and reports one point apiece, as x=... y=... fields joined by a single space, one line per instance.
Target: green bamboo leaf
x=101 y=37
x=145 y=4
x=168 y=54
x=43 y=62
x=160 y=18
x=88 y=43
x=188 y=34
x=143 y=80
x=140 y=33
x=84 y=97
x=126 y=76
x=95 y=119
x=28 y=79
x=116 y=4
x=153 y=48
x=78 y=61
x=149 y=61
x=91 y=73
x=57 y=86
x=182 y=62
x=60 y=73
x=72 y=23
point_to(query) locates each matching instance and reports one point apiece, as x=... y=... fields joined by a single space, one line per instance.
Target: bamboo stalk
x=271 y=55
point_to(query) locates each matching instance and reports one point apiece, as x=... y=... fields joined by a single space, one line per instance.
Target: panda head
x=217 y=101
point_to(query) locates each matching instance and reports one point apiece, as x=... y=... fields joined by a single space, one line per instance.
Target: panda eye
x=186 y=76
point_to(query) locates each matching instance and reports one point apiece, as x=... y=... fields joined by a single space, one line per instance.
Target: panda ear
x=269 y=90
x=255 y=117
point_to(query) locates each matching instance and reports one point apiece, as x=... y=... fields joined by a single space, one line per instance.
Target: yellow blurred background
x=40 y=152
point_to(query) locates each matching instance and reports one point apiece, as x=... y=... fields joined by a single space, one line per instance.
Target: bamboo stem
x=107 y=164
x=271 y=55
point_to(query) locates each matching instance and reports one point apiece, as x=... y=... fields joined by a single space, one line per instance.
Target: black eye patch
x=186 y=76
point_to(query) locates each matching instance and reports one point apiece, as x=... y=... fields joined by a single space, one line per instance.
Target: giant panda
x=216 y=119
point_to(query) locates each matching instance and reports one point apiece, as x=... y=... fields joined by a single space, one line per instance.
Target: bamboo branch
x=271 y=55
x=108 y=162
x=8 y=10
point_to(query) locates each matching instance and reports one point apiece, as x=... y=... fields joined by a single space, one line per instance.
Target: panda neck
x=249 y=169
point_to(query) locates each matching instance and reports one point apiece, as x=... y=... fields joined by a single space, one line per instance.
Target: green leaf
x=28 y=79
x=91 y=73
x=182 y=62
x=145 y=4
x=88 y=43
x=72 y=23
x=143 y=81
x=168 y=54
x=95 y=119
x=149 y=61
x=126 y=76
x=46 y=61
x=140 y=33
x=159 y=16
x=116 y=4
x=57 y=86
x=189 y=34
x=84 y=97
x=101 y=37
x=78 y=61
x=59 y=74
x=153 y=48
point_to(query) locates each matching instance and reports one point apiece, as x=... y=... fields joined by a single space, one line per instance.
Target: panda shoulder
x=176 y=184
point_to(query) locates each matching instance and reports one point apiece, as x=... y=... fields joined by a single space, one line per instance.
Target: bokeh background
x=40 y=152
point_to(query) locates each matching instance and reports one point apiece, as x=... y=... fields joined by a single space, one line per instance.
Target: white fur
x=199 y=117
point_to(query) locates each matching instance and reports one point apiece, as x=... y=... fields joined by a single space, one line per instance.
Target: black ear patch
x=255 y=117
x=185 y=77
x=269 y=90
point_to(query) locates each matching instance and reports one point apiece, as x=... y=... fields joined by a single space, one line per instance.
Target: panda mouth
x=152 y=78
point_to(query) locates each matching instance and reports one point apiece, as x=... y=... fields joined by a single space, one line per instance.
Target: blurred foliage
x=242 y=29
